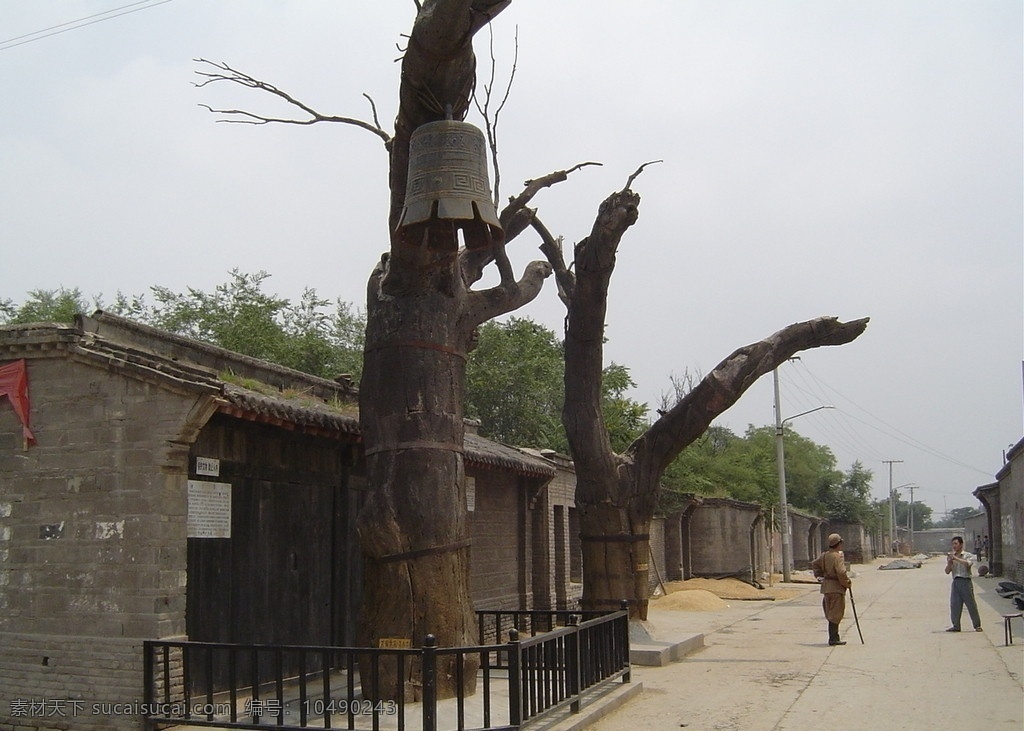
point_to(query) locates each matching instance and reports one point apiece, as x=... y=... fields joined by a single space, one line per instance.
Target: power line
x=889 y=430
x=79 y=23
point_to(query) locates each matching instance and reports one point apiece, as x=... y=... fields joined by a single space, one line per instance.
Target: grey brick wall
x=721 y=542
x=496 y=579
x=92 y=541
x=564 y=562
x=656 y=555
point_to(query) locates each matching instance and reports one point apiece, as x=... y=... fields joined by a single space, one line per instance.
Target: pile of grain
x=730 y=589
x=694 y=600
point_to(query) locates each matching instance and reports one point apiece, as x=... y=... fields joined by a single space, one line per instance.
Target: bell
x=448 y=181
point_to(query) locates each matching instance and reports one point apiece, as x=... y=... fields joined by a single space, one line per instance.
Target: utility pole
x=787 y=549
x=780 y=459
x=910 y=519
x=892 y=504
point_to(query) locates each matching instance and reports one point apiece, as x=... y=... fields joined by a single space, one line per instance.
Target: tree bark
x=617 y=494
x=421 y=315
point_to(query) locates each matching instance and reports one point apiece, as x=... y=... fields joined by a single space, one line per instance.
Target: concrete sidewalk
x=767 y=665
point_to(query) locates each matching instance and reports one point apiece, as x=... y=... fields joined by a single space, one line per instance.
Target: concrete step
x=655 y=653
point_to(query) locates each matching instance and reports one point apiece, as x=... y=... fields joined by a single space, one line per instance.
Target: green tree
x=809 y=467
x=850 y=499
x=955 y=518
x=514 y=384
x=240 y=316
x=46 y=305
x=716 y=464
x=624 y=418
x=237 y=315
x=922 y=515
x=720 y=463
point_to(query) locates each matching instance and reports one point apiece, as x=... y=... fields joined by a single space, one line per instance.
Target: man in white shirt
x=959 y=563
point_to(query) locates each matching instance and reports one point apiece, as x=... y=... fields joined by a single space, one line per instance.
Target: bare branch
x=552 y=250
x=509 y=296
x=532 y=187
x=639 y=170
x=224 y=72
x=484 y=109
x=373 y=110
x=515 y=218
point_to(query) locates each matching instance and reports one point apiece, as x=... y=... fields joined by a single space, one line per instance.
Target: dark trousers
x=961 y=593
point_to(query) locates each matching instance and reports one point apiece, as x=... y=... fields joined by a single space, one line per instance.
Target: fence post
x=147 y=682
x=515 y=688
x=575 y=661
x=624 y=640
x=429 y=683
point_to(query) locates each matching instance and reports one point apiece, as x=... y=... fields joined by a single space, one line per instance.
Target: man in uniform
x=830 y=568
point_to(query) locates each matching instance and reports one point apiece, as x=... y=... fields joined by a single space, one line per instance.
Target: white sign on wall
x=209 y=509
x=208 y=466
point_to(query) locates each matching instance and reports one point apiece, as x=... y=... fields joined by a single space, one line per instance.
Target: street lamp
x=787 y=548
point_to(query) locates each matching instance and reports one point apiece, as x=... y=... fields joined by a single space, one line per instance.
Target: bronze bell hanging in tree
x=448 y=183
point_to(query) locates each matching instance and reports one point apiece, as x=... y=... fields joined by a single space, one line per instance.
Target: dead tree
x=616 y=494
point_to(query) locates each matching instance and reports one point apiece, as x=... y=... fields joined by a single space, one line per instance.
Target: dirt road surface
x=767 y=664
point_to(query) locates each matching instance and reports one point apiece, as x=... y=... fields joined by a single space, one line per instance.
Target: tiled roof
x=493 y=454
x=292 y=401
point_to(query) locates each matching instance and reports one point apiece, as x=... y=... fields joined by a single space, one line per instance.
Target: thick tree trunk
x=420 y=323
x=413 y=527
x=421 y=316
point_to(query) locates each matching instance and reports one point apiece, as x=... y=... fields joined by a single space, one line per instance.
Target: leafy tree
x=922 y=515
x=514 y=384
x=713 y=465
x=237 y=315
x=956 y=517
x=240 y=316
x=46 y=305
x=723 y=464
x=624 y=418
x=850 y=499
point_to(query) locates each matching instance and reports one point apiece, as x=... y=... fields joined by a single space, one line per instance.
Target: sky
x=823 y=157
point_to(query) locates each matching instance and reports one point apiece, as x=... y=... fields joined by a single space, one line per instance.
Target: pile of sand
x=693 y=600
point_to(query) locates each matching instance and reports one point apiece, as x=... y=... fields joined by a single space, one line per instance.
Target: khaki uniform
x=831 y=566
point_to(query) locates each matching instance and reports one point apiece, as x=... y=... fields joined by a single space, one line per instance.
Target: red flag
x=14 y=385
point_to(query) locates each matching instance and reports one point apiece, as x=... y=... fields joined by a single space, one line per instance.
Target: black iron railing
x=223 y=685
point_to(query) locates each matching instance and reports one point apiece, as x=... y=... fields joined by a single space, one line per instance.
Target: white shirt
x=963 y=570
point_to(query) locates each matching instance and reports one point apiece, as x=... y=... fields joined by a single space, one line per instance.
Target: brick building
x=1003 y=501
x=171 y=489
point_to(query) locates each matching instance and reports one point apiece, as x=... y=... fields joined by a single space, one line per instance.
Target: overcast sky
x=820 y=158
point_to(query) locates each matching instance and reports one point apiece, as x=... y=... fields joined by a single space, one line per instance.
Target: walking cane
x=856 y=621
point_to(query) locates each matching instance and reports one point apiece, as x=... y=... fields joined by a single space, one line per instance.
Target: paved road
x=767 y=665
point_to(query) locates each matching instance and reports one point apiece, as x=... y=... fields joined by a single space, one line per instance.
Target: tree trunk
x=420 y=323
x=413 y=527
x=421 y=316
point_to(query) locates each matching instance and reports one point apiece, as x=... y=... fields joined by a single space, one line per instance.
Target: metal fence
x=242 y=686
